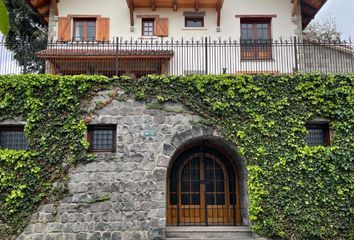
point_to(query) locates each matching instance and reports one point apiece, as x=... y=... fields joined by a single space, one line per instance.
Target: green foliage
x=55 y=133
x=4 y=18
x=26 y=24
x=296 y=191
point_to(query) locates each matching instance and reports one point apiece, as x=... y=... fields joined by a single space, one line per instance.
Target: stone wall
x=321 y=57
x=123 y=195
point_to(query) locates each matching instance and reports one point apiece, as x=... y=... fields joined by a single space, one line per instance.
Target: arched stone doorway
x=203 y=187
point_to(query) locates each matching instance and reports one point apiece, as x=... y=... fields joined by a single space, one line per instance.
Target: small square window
x=194 y=22
x=13 y=137
x=148 y=26
x=318 y=134
x=102 y=138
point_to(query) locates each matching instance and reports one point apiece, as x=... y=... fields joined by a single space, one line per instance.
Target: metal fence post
x=25 y=55
x=206 y=55
x=116 y=64
x=296 y=68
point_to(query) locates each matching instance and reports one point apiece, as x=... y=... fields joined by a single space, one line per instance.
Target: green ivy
x=55 y=130
x=296 y=191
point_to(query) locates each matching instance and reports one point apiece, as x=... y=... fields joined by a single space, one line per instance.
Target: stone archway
x=202 y=202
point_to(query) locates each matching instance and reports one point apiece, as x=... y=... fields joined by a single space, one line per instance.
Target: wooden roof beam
x=55 y=7
x=153 y=5
x=196 y=5
x=175 y=5
x=131 y=12
x=218 y=12
x=294 y=9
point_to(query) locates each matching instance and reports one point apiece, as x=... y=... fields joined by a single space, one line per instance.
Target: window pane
x=195 y=199
x=211 y=199
x=194 y=22
x=220 y=199
x=91 y=24
x=315 y=137
x=79 y=33
x=13 y=139
x=102 y=138
x=173 y=199
x=148 y=27
x=91 y=32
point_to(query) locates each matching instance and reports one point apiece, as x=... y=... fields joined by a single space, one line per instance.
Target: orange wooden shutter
x=161 y=27
x=102 y=29
x=64 y=29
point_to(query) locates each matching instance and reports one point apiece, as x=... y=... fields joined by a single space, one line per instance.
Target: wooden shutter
x=102 y=29
x=64 y=29
x=161 y=27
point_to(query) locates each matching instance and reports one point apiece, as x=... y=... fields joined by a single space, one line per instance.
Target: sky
x=343 y=11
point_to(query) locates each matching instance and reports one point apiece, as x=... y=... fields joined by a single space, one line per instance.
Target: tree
x=4 y=18
x=27 y=34
x=324 y=28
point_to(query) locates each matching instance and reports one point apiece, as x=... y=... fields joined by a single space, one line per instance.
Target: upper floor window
x=318 y=134
x=194 y=22
x=148 y=26
x=256 y=38
x=12 y=137
x=85 y=29
x=102 y=138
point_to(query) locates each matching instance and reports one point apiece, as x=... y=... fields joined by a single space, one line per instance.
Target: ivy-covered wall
x=296 y=191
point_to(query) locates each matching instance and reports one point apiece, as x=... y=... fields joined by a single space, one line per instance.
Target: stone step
x=217 y=232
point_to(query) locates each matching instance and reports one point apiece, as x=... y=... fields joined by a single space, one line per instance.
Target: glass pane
x=79 y=33
x=220 y=186
x=185 y=199
x=173 y=199
x=102 y=139
x=315 y=137
x=79 y=23
x=91 y=24
x=195 y=186
x=91 y=33
x=209 y=186
x=220 y=199
x=185 y=186
x=194 y=22
x=211 y=199
x=13 y=139
x=173 y=186
x=195 y=199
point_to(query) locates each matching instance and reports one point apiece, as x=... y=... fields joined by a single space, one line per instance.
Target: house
x=160 y=170
x=178 y=37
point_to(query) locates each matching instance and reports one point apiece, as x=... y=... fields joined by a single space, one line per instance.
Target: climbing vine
x=296 y=191
x=55 y=131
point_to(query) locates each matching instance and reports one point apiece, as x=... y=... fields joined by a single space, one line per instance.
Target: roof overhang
x=42 y=7
x=175 y=4
x=309 y=9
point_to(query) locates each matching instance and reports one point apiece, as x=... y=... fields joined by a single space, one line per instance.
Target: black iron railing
x=178 y=57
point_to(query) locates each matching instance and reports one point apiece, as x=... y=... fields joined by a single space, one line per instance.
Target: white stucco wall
x=118 y=12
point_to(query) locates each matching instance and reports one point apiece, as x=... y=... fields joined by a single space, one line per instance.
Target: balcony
x=180 y=57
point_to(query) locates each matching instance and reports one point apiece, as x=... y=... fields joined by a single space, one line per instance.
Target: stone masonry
x=121 y=195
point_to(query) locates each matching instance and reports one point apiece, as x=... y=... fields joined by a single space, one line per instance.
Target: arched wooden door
x=203 y=189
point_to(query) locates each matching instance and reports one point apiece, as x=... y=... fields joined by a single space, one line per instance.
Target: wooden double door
x=203 y=190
